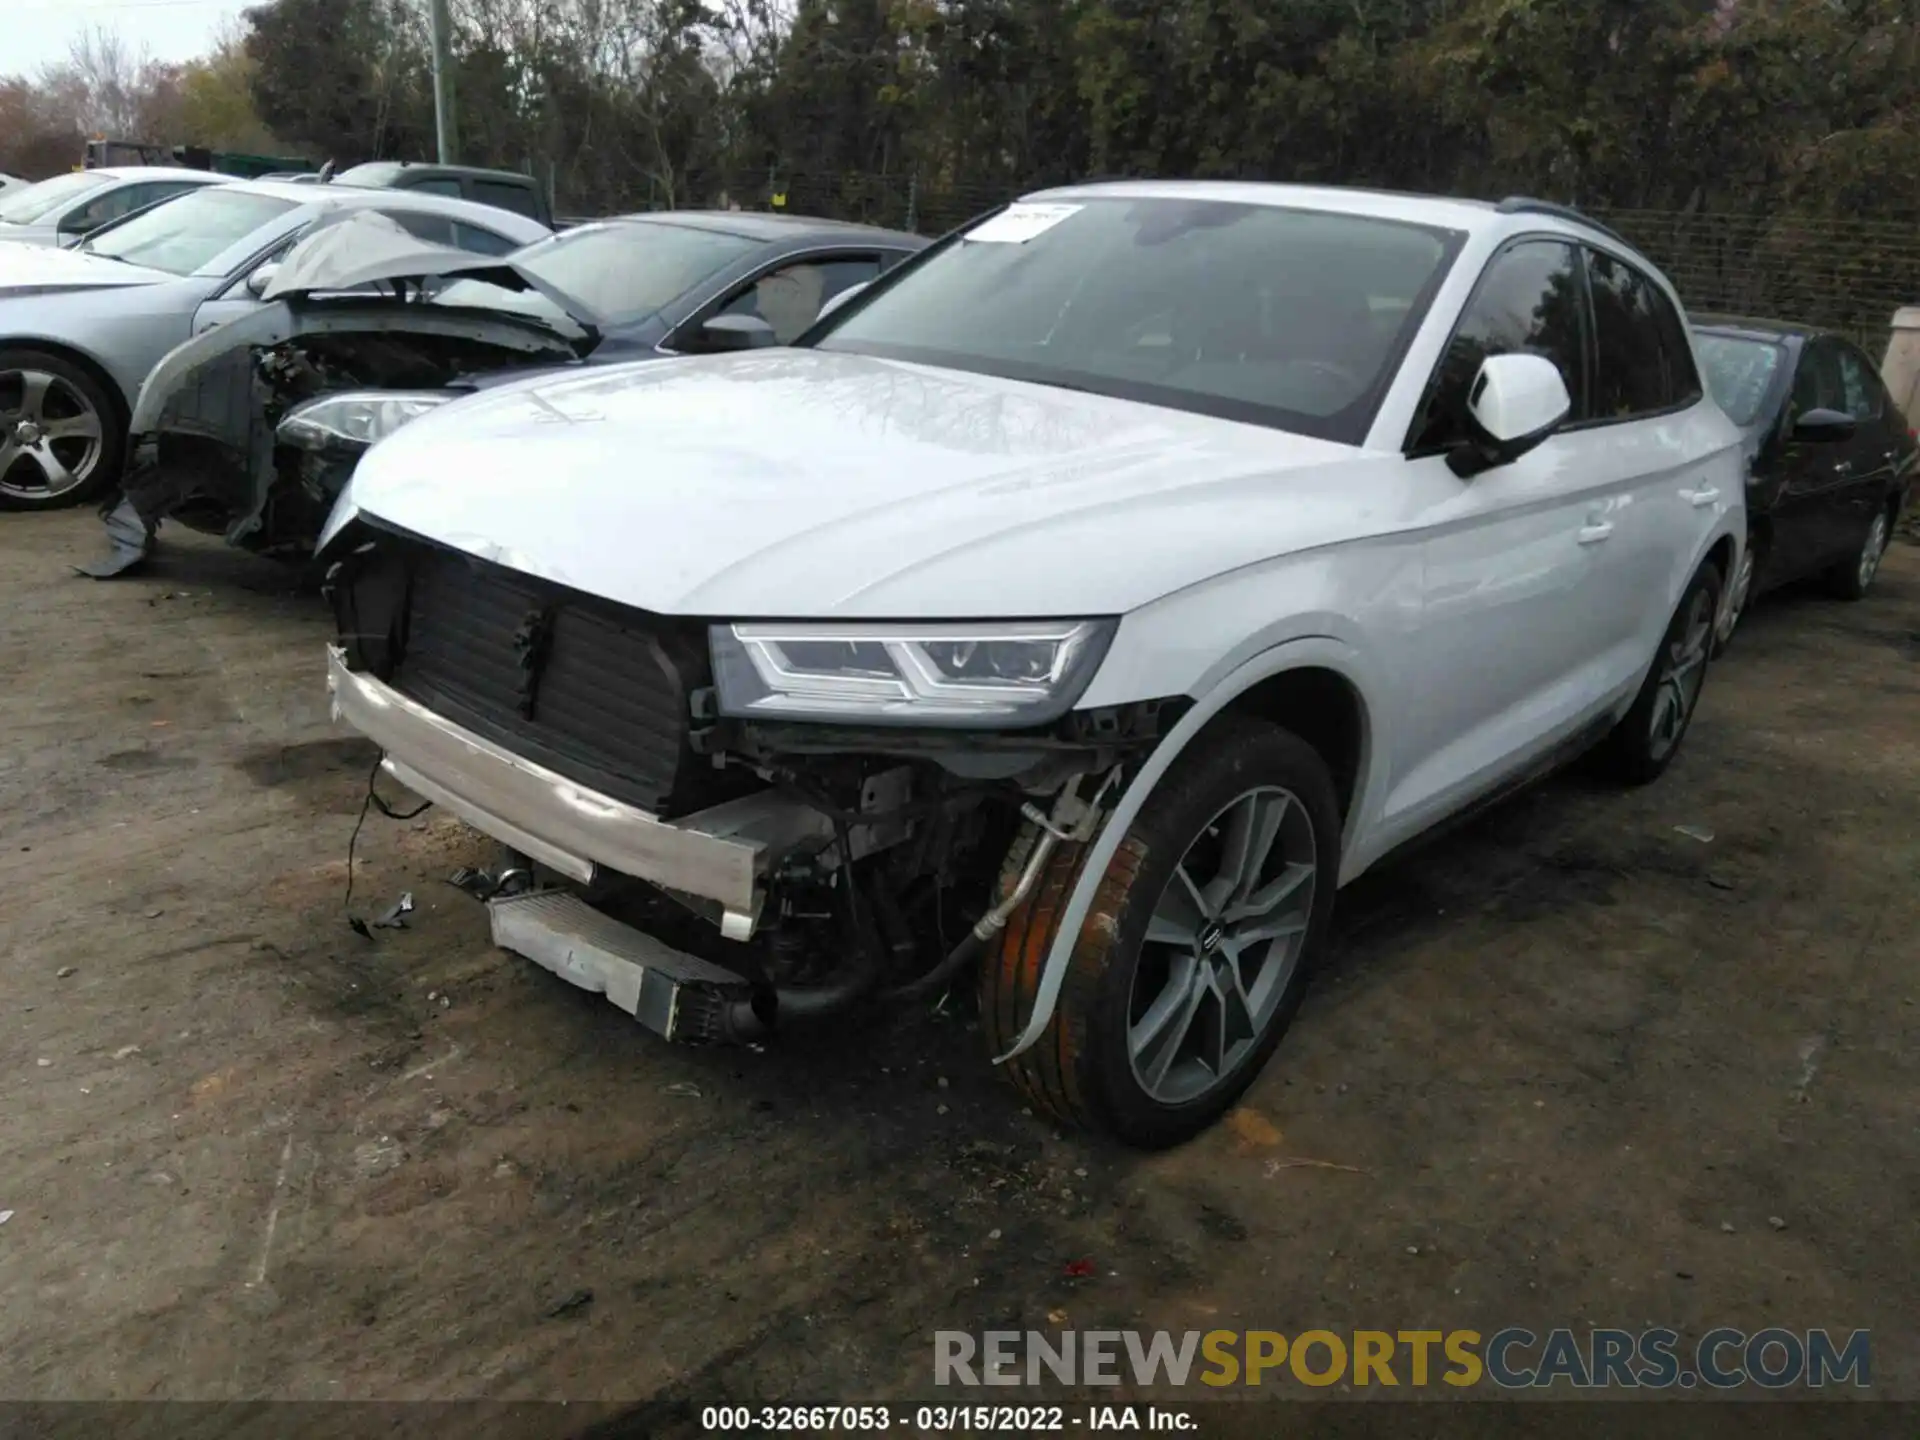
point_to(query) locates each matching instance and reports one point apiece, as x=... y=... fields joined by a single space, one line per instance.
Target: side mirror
x=261 y=278
x=837 y=301
x=1821 y=427
x=735 y=332
x=1514 y=404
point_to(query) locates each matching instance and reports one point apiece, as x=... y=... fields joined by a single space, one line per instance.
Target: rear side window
x=1643 y=362
x=517 y=198
x=1528 y=301
x=434 y=187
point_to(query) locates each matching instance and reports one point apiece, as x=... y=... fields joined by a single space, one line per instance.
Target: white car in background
x=11 y=183
x=61 y=210
x=81 y=328
x=1084 y=602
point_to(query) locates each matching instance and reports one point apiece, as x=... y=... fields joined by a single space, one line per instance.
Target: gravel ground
x=1573 y=1066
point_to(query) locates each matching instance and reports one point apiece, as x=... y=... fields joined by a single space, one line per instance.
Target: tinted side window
x=517 y=198
x=1529 y=300
x=1816 y=384
x=789 y=298
x=1677 y=342
x=434 y=187
x=1643 y=361
x=1860 y=388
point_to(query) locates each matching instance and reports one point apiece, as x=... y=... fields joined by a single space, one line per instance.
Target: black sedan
x=1830 y=455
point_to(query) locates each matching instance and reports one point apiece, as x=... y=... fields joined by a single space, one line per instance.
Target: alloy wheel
x=1683 y=670
x=1223 y=942
x=51 y=435
x=1873 y=550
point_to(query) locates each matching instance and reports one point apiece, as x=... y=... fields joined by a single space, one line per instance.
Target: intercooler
x=597 y=693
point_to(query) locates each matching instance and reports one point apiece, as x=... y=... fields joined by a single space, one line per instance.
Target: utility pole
x=444 y=128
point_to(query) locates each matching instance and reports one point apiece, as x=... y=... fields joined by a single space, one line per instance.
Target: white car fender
x=1311 y=651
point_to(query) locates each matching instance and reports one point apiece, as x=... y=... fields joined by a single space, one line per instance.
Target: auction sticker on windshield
x=1020 y=222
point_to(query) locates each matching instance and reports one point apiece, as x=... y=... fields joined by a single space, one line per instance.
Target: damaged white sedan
x=1076 y=608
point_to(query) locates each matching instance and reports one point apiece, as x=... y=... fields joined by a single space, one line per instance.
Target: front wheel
x=1639 y=748
x=1853 y=577
x=1196 y=952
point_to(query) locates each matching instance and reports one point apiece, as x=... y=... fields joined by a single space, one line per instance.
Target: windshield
x=23 y=207
x=185 y=233
x=1290 y=318
x=627 y=270
x=1739 y=373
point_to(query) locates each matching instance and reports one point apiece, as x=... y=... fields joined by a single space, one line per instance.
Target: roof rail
x=1527 y=205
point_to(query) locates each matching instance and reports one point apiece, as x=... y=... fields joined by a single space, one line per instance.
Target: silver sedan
x=81 y=328
x=61 y=210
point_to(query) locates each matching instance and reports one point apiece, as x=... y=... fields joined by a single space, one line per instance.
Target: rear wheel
x=1639 y=748
x=1853 y=577
x=60 y=435
x=1196 y=953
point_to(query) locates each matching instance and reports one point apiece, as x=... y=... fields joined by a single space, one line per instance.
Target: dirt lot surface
x=1570 y=1067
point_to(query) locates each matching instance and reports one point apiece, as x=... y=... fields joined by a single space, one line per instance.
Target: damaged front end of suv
x=695 y=835
x=251 y=430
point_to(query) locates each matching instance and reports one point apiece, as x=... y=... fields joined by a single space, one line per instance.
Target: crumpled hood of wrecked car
x=800 y=483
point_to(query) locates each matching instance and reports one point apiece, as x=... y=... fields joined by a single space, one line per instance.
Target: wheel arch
x=1324 y=708
x=1724 y=554
x=1318 y=687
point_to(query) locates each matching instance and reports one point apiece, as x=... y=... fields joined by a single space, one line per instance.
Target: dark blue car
x=1830 y=456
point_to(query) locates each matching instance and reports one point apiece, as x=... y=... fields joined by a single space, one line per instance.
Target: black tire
x=1635 y=752
x=72 y=387
x=1850 y=579
x=1082 y=1071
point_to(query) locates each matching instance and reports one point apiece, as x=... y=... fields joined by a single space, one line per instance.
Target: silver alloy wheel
x=1683 y=669
x=1737 y=593
x=51 y=435
x=1873 y=550
x=1220 y=950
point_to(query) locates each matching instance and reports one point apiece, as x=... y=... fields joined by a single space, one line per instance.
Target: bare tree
x=105 y=83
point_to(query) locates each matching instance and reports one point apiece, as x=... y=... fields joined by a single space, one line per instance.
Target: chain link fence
x=1841 y=274
x=1844 y=275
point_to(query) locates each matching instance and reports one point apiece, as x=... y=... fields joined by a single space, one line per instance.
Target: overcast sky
x=39 y=31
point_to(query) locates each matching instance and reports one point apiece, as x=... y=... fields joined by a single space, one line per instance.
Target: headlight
x=953 y=675
x=356 y=418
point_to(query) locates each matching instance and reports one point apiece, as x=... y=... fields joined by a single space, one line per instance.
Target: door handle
x=1702 y=497
x=1594 y=532
x=1843 y=467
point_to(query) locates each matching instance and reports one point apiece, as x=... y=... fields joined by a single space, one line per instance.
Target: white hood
x=798 y=483
x=47 y=269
